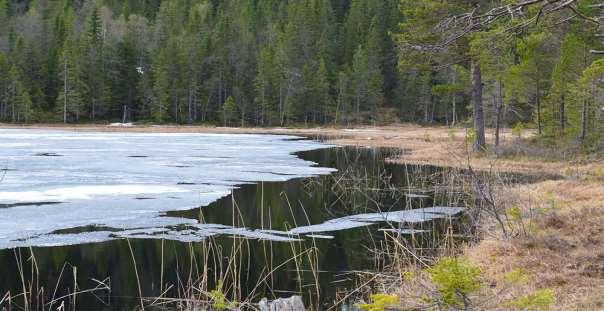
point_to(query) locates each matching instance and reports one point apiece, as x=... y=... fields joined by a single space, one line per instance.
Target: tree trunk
x=584 y=121
x=585 y=117
x=479 y=142
x=12 y=105
x=190 y=110
x=562 y=111
x=242 y=117
x=358 y=107
x=498 y=114
x=282 y=99
x=425 y=111
x=454 y=117
x=538 y=100
x=92 y=104
x=433 y=108
x=176 y=109
x=65 y=91
x=338 y=102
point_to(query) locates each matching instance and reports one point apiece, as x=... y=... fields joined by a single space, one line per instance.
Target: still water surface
x=306 y=210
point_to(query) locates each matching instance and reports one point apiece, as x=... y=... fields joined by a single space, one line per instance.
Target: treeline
x=279 y=62
x=248 y=62
x=517 y=62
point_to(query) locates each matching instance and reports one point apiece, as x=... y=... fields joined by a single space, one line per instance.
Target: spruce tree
x=70 y=100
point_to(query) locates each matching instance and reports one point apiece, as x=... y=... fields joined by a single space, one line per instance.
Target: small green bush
x=379 y=302
x=539 y=300
x=470 y=136
x=514 y=213
x=455 y=278
x=218 y=298
x=518 y=129
x=517 y=276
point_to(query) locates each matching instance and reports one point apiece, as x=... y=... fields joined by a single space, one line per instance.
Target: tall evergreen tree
x=567 y=70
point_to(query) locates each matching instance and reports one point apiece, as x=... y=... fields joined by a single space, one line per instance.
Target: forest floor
x=562 y=248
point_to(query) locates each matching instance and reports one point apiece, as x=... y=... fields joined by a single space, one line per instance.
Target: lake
x=164 y=215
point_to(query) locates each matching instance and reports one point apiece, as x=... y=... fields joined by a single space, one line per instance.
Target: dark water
x=364 y=183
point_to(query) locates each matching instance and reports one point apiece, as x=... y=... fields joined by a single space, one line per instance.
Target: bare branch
x=459 y=26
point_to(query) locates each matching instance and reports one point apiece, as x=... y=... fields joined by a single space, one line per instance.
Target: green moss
x=516 y=276
x=218 y=298
x=514 y=213
x=408 y=275
x=539 y=300
x=379 y=302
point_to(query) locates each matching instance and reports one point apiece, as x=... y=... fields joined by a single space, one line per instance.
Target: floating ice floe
x=404 y=230
x=416 y=196
x=405 y=216
x=97 y=182
x=84 y=193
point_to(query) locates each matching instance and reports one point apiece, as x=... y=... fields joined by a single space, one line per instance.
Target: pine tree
x=566 y=71
x=94 y=72
x=494 y=51
x=4 y=16
x=13 y=85
x=323 y=92
x=367 y=81
x=5 y=81
x=585 y=117
x=70 y=100
x=529 y=79
x=23 y=104
x=452 y=91
x=161 y=87
x=228 y=109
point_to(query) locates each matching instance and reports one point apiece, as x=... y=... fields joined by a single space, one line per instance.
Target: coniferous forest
x=301 y=154
x=278 y=63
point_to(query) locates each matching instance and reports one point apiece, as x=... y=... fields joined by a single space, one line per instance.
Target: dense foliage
x=269 y=62
x=518 y=61
x=278 y=62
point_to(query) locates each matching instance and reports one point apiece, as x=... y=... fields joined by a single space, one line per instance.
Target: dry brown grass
x=563 y=250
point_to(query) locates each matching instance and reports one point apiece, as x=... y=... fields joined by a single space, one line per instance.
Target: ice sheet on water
x=404 y=230
x=330 y=225
x=416 y=196
x=97 y=182
x=320 y=236
x=360 y=220
x=198 y=232
x=83 y=193
x=48 y=240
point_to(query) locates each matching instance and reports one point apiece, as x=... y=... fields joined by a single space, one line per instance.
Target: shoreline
x=433 y=145
x=563 y=247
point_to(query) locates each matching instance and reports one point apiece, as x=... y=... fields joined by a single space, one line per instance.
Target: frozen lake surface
x=62 y=188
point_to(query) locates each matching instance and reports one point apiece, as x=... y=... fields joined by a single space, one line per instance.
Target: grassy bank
x=551 y=253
